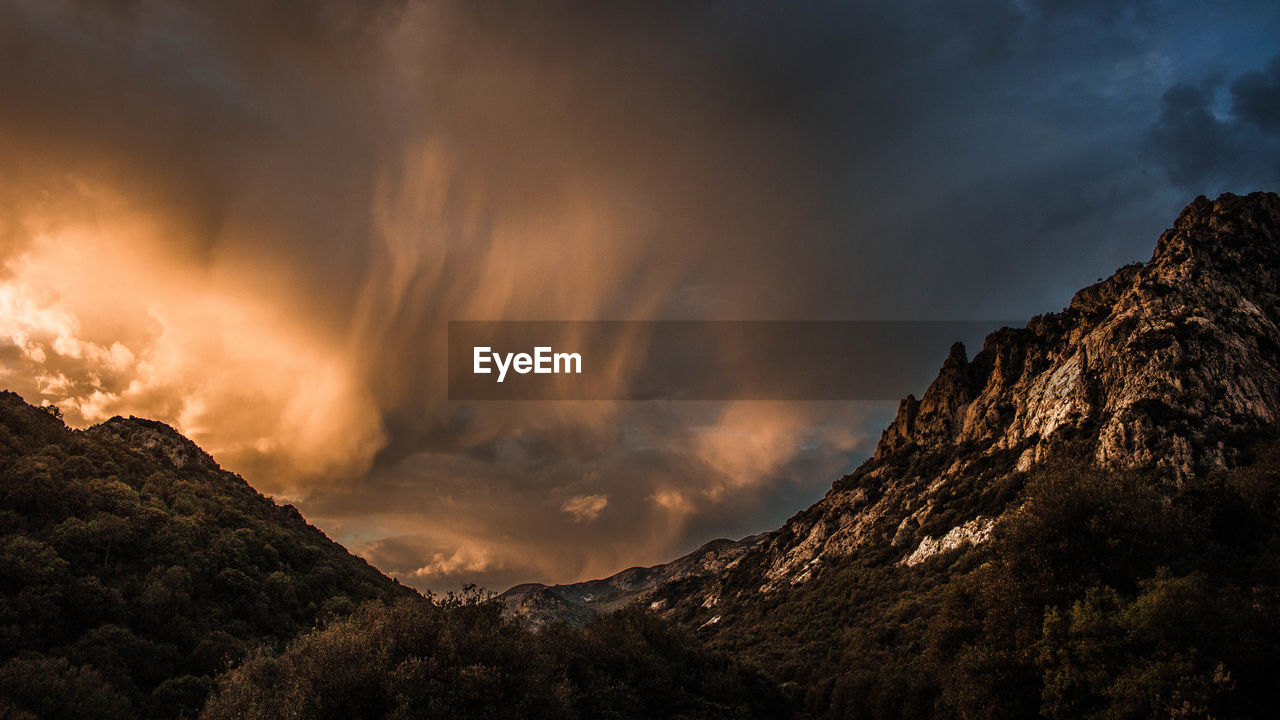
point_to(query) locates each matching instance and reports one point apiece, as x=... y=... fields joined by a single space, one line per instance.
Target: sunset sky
x=253 y=220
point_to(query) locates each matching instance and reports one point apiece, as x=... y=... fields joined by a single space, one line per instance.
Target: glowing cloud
x=585 y=508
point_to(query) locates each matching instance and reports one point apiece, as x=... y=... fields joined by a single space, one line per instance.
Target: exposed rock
x=155 y=439
x=973 y=532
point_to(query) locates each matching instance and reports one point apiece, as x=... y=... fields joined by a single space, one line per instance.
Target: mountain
x=133 y=569
x=1172 y=366
x=1092 y=462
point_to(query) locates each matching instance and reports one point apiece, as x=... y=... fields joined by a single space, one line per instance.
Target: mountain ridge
x=579 y=602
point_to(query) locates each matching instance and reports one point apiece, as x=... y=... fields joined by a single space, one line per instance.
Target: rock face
x=156 y=439
x=1171 y=366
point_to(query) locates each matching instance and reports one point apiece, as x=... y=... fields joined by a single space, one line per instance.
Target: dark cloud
x=1255 y=97
x=1202 y=147
x=1189 y=139
x=1094 y=11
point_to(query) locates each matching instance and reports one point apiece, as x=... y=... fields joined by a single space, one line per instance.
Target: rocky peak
x=933 y=417
x=1192 y=333
x=1223 y=229
x=156 y=439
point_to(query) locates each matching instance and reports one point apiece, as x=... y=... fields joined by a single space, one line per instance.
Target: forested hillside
x=460 y=658
x=137 y=578
x=133 y=570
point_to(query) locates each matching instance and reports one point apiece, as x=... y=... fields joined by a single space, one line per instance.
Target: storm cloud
x=1200 y=144
x=254 y=220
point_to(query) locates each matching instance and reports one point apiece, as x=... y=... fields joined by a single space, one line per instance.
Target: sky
x=253 y=221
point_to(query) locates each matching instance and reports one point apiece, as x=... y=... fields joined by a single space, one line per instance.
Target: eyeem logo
x=698 y=360
x=543 y=361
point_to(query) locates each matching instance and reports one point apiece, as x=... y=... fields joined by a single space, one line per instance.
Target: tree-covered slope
x=461 y=658
x=133 y=570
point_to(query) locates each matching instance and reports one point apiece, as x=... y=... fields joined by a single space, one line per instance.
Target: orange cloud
x=585 y=508
x=107 y=321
